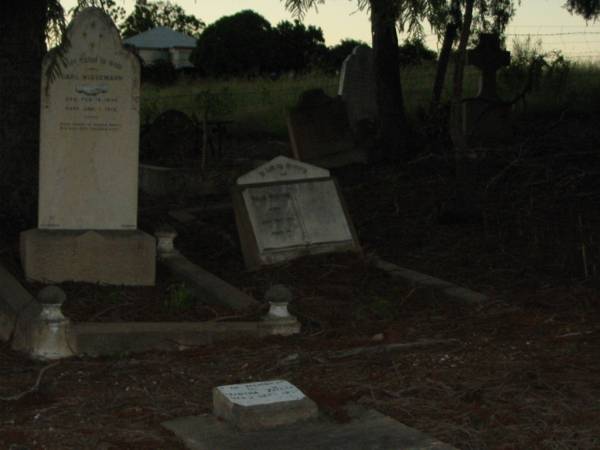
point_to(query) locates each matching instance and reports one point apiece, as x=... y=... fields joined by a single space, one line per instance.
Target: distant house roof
x=161 y=38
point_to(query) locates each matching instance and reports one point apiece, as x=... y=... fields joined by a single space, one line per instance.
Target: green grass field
x=258 y=106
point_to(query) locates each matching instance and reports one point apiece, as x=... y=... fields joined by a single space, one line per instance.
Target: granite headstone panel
x=357 y=85
x=320 y=132
x=286 y=209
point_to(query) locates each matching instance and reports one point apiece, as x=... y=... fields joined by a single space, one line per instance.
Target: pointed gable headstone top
x=282 y=168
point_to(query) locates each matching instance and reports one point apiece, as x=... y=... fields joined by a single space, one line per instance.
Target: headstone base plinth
x=487 y=122
x=92 y=256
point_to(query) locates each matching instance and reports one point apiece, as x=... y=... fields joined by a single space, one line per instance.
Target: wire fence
x=576 y=42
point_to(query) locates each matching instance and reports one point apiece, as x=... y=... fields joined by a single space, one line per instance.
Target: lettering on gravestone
x=88 y=171
x=89 y=130
x=261 y=393
x=288 y=208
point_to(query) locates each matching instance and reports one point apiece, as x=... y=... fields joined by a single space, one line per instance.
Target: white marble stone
x=261 y=405
x=261 y=393
x=90 y=131
x=282 y=168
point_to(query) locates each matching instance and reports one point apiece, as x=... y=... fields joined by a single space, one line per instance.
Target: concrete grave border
x=450 y=290
x=14 y=299
x=19 y=310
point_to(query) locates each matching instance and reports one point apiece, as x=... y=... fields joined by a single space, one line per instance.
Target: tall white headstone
x=89 y=147
x=90 y=131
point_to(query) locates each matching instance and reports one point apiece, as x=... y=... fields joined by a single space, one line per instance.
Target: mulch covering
x=521 y=372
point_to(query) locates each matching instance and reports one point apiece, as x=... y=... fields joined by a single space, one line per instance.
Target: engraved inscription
x=260 y=393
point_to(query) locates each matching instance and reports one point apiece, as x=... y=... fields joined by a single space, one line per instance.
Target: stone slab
x=448 y=289
x=98 y=339
x=89 y=130
x=110 y=257
x=368 y=430
x=14 y=299
x=285 y=219
x=264 y=404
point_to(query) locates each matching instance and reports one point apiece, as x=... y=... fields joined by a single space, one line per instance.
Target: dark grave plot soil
x=170 y=300
x=339 y=289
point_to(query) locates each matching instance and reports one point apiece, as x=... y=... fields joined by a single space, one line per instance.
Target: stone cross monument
x=486 y=117
x=488 y=57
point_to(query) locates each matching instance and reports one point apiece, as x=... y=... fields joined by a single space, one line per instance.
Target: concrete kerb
x=96 y=339
x=446 y=288
x=14 y=299
x=21 y=314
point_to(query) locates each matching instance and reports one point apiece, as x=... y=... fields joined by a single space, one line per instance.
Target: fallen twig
x=34 y=388
x=574 y=334
x=389 y=347
x=104 y=311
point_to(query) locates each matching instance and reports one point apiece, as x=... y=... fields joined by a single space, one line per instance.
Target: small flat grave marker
x=263 y=404
x=285 y=209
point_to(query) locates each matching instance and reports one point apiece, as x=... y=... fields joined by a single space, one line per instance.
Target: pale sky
x=340 y=19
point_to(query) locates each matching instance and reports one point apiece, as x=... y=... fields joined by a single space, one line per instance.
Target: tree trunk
x=467 y=197
x=442 y=65
x=22 y=26
x=456 y=126
x=392 y=132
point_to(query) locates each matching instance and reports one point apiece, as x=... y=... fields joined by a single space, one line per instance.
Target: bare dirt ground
x=522 y=372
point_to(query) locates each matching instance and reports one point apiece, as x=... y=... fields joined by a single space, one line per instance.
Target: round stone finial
x=165 y=237
x=52 y=295
x=278 y=293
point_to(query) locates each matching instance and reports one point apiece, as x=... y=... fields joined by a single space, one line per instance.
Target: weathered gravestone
x=320 y=132
x=285 y=209
x=487 y=117
x=89 y=136
x=263 y=404
x=276 y=415
x=172 y=140
x=357 y=86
